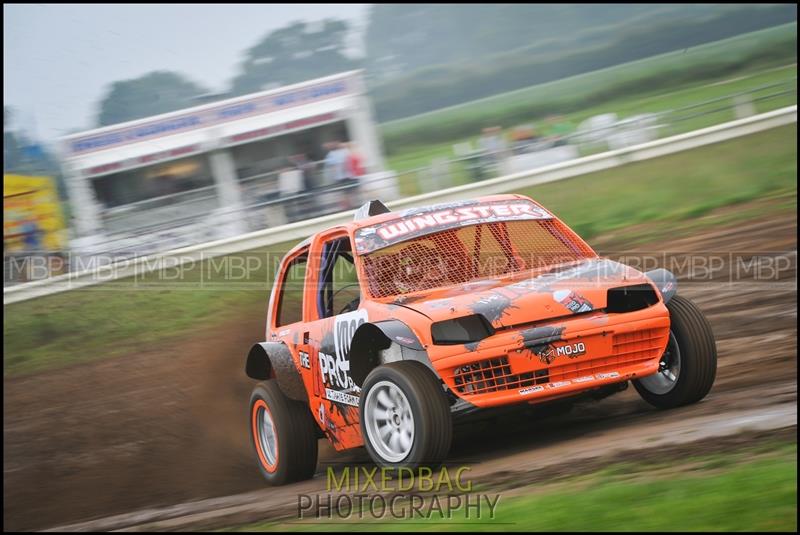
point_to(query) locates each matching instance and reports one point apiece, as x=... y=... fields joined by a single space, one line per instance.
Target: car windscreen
x=464 y=254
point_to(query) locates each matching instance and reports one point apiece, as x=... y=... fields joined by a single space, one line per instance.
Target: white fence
x=302 y=229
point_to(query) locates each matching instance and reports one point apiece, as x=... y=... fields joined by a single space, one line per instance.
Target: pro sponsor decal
x=415 y=223
x=343 y=330
x=559 y=384
x=530 y=390
x=334 y=372
x=335 y=366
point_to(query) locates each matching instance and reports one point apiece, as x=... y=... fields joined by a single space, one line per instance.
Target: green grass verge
x=742 y=491
x=128 y=315
x=412 y=157
x=681 y=186
x=134 y=314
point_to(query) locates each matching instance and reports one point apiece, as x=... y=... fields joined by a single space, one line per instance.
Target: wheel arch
x=381 y=342
x=665 y=281
x=268 y=360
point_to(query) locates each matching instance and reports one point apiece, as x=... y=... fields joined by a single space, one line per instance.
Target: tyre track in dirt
x=550 y=458
x=169 y=426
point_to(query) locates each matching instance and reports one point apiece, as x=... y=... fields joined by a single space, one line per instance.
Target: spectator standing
x=523 y=137
x=335 y=163
x=306 y=168
x=493 y=147
x=558 y=130
x=355 y=162
x=562 y=130
x=337 y=171
x=355 y=170
x=290 y=185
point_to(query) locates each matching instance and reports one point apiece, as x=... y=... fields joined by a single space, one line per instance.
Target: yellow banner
x=32 y=216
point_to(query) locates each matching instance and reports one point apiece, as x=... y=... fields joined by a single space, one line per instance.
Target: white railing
x=302 y=229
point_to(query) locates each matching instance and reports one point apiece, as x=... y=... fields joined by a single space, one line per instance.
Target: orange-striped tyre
x=283 y=435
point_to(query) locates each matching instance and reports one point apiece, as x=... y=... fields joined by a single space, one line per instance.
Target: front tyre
x=689 y=363
x=283 y=435
x=405 y=416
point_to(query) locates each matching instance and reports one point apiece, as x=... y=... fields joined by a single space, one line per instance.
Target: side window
x=338 y=290
x=290 y=300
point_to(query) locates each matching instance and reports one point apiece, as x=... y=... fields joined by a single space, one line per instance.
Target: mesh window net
x=465 y=254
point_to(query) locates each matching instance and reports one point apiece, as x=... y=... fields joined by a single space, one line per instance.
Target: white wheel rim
x=389 y=421
x=266 y=435
x=669 y=370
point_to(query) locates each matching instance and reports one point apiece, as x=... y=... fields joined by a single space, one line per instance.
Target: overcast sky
x=59 y=59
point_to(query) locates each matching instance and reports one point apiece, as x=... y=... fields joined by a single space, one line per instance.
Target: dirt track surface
x=170 y=426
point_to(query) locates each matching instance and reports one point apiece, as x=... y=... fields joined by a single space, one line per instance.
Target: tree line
x=420 y=57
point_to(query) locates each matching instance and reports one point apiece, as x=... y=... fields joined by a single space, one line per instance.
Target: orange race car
x=381 y=331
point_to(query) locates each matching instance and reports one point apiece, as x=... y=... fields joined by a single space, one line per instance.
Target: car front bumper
x=589 y=351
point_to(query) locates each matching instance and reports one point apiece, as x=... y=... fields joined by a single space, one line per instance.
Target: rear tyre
x=405 y=416
x=283 y=435
x=689 y=364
